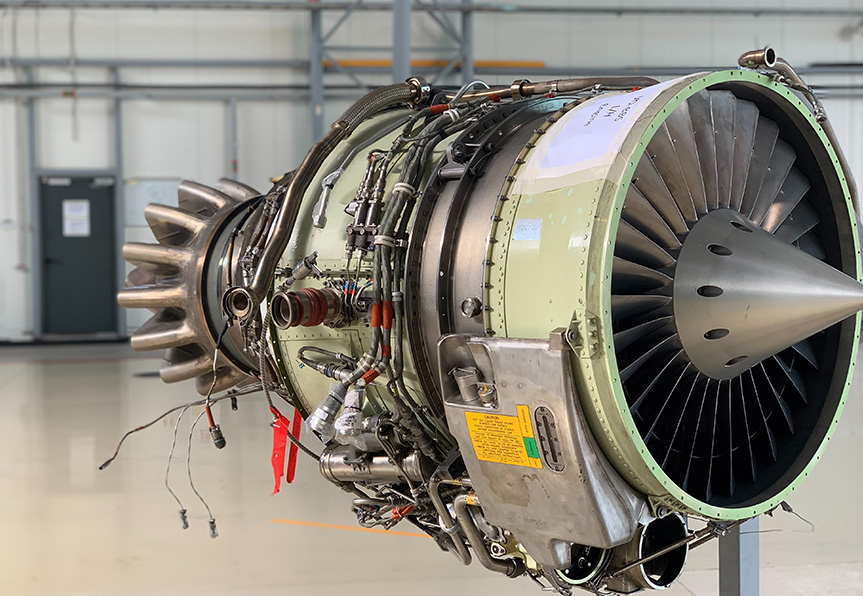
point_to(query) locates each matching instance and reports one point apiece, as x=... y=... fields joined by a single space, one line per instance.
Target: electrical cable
x=215 y=430
x=464 y=89
x=231 y=394
x=183 y=517
x=214 y=532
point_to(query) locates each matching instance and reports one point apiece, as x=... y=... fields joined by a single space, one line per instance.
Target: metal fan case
x=550 y=259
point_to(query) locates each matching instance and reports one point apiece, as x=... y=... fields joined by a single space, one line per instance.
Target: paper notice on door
x=76 y=218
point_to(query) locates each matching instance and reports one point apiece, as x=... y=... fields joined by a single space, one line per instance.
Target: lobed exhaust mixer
x=570 y=329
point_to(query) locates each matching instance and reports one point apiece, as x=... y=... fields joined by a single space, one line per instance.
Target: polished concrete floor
x=67 y=528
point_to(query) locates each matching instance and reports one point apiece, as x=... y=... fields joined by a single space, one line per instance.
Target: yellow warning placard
x=504 y=439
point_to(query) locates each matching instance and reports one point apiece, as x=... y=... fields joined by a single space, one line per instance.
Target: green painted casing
x=562 y=278
x=310 y=386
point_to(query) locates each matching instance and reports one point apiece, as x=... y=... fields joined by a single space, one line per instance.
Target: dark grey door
x=78 y=256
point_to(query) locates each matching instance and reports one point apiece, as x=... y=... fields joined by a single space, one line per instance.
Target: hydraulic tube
x=372 y=103
x=509 y=567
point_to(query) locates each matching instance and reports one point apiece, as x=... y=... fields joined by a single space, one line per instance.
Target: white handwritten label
x=527 y=229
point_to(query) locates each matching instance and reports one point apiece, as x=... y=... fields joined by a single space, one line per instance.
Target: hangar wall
x=189 y=139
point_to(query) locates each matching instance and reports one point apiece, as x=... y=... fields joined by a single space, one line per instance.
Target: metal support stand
x=467 y=68
x=233 y=142
x=35 y=210
x=119 y=201
x=738 y=560
x=401 y=40
x=316 y=73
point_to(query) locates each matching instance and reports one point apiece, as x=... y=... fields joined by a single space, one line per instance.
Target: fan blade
x=695 y=434
x=753 y=467
x=793 y=376
x=810 y=244
x=658 y=416
x=730 y=441
x=638 y=363
x=623 y=339
x=745 y=126
x=771 y=439
x=623 y=307
x=702 y=126
x=627 y=372
x=679 y=424
x=630 y=278
x=802 y=219
x=634 y=246
x=662 y=152
x=792 y=191
x=783 y=405
x=649 y=181
x=766 y=135
x=709 y=491
x=805 y=349
x=638 y=211
x=722 y=107
x=679 y=127
x=777 y=170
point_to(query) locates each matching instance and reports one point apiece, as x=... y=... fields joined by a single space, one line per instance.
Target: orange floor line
x=311 y=524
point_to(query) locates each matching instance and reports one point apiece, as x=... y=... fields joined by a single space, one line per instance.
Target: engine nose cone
x=741 y=294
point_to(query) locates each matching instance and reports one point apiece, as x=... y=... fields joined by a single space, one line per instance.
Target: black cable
x=200 y=402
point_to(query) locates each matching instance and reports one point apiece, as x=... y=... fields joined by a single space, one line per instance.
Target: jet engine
x=570 y=329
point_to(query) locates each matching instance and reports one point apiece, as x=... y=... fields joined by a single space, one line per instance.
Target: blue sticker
x=527 y=229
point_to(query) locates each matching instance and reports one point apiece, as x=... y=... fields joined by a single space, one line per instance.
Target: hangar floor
x=68 y=529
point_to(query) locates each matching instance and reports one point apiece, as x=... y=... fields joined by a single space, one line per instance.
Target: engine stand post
x=738 y=560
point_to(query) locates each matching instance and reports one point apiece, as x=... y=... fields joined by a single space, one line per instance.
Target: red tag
x=280 y=441
x=292 y=455
x=400 y=512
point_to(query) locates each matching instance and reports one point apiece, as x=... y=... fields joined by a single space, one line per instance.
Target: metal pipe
x=450 y=525
x=319 y=215
x=528 y=89
x=662 y=551
x=509 y=567
x=374 y=469
x=766 y=59
x=375 y=101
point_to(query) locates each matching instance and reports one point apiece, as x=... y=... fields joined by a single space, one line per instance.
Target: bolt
x=497 y=550
x=471 y=307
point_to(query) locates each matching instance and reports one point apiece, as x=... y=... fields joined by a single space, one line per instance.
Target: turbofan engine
x=552 y=325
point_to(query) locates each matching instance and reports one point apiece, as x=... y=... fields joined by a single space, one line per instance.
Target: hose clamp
x=421 y=91
x=385 y=240
x=405 y=187
x=517 y=89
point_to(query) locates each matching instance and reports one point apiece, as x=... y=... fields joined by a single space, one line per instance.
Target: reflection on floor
x=67 y=528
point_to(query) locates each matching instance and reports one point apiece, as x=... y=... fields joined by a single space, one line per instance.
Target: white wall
x=188 y=140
